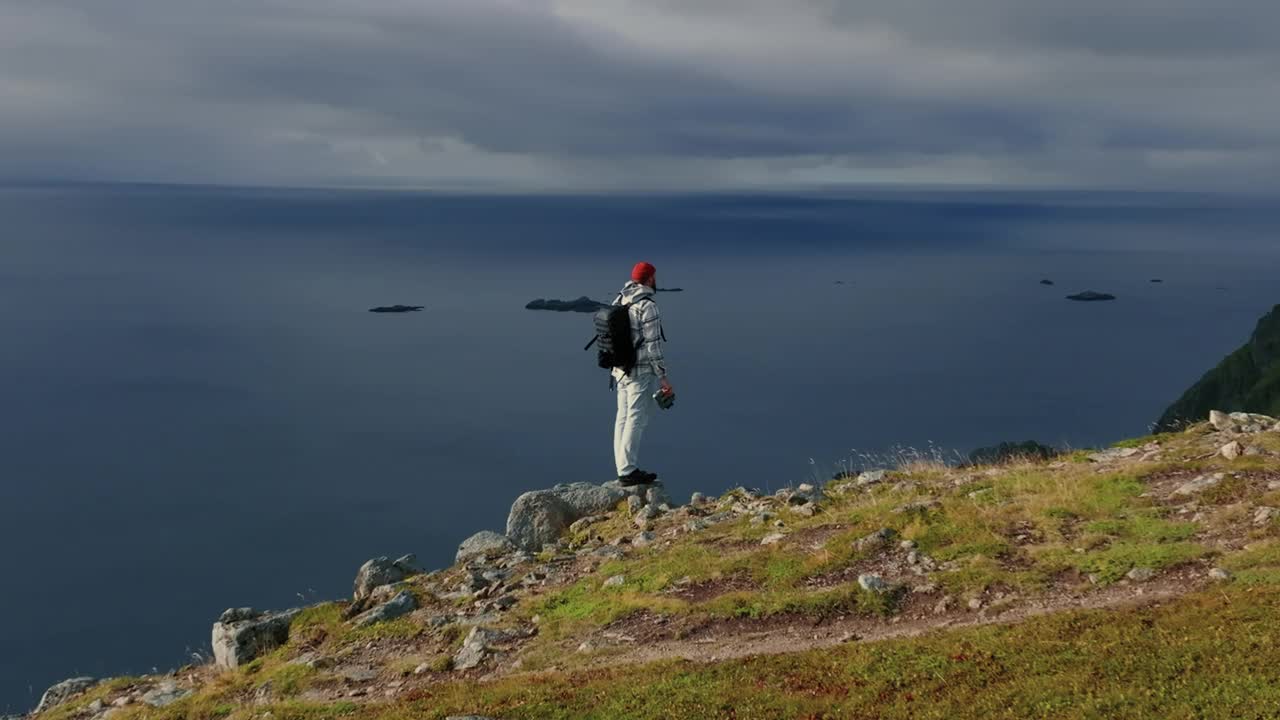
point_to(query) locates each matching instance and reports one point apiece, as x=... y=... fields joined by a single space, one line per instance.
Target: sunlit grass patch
x=1113 y=562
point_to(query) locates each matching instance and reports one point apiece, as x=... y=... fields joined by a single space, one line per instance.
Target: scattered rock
x=876 y=541
x=871 y=477
x=380 y=571
x=485 y=543
x=1219 y=574
x=475 y=648
x=772 y=538
x=615 y=581
x=806 y=494
x=1263 y=515
x=975 y=604
x=358 y=673
x=537 y=518
x=608 y=552
x=872 y=583
x=657 y=495
x=402 y=604
x=1114 y=454
x=64 y=691
x=643 y=539
x=1221 y=421
x=1232 y=450
x=164 y=694
x=634 y=503
x=1141 y=574
x=1200 y=484
x=242 y=634
x=943 y=605
x=697 y=499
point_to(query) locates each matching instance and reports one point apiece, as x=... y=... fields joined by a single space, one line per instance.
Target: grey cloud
x=587 y=93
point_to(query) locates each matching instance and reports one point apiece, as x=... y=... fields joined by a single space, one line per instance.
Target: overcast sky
x=644 y=94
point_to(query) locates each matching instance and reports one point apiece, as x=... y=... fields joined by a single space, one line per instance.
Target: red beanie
x=642 y=272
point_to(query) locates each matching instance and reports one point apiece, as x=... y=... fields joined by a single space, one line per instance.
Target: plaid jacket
x=646 y=328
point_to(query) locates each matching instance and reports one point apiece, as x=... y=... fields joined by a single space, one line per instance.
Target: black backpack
x=613 y=337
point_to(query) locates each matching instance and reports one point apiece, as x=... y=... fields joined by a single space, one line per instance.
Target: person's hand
x=665 y=386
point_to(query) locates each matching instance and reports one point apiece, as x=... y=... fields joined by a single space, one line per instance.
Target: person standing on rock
x=639 y=386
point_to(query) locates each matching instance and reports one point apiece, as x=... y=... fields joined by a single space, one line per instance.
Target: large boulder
x=586 y=499
x=242 y=634
x=64 y=691
x=484 y=543
x=380 y=571
x=402 y=604
x=538 y=517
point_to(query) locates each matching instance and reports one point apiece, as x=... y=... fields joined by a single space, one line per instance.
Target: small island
x=1046 y=282
x=583 y=304
x=396 y=308
x=1091 y=296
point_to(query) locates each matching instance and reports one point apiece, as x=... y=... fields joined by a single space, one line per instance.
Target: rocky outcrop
x=242 y=634
x=485 y=543
x=1247 y=380
x=402 y=604
x=380 y=571
x=64 y=691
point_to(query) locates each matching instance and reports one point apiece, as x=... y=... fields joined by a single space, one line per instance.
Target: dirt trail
x=737 y=639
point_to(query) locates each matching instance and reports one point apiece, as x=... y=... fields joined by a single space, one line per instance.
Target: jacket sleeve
x=651 y=337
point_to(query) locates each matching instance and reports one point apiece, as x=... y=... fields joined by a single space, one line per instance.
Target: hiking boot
x=636 y=477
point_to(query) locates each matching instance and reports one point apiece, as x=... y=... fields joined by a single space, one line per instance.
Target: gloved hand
x=665 y=398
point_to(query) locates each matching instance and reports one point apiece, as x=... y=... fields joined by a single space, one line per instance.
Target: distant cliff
x=1247 y=380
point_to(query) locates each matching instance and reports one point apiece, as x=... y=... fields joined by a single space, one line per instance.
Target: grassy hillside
x=1142 y=581
x=1247 y=380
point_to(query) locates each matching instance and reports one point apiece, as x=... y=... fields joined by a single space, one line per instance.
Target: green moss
x=1114 y=561
x=1143 y=527
x=1143 y=441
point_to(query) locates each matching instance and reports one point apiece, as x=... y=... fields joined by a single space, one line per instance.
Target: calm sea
x=199 y=412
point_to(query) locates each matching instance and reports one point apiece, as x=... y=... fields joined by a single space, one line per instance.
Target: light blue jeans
x=635 y=406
